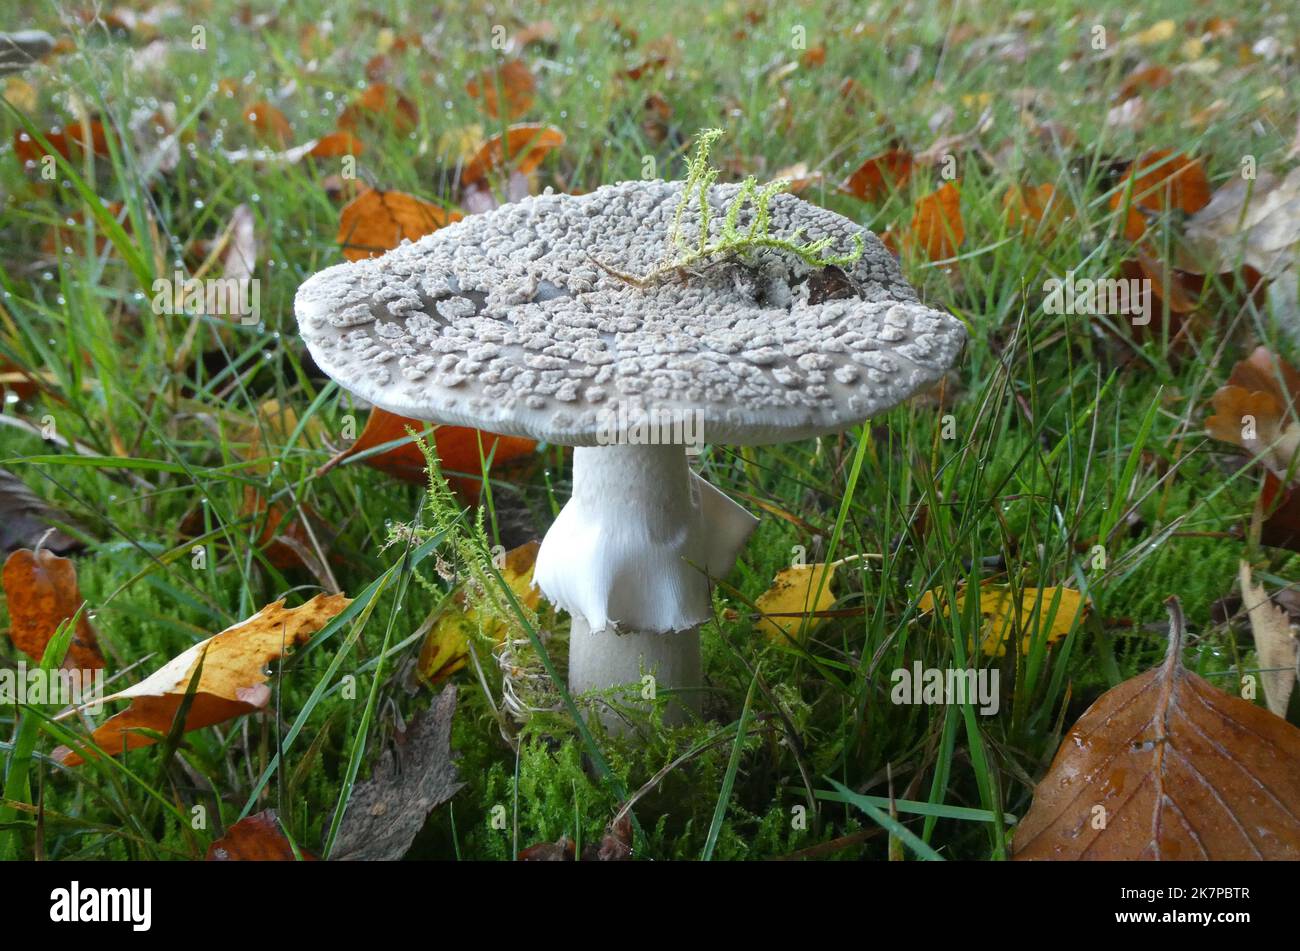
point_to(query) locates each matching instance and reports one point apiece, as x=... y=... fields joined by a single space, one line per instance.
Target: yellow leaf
x=446 y=646
x=792 y=593
x=232 y=681
x=1156 y=33
x=1056 y=614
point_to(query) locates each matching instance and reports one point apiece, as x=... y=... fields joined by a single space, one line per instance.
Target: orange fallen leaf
x=269 y=122
x=1144 y=78
x=458 y=449
x=379 y=104
x=1167 y=766
x=879 y=175
x=256 y=838
x=41 y=593
x=517 y=85
x=336 y=144
x=74 y=136
x=937 y=227
x=1036 y=209
x=813 y=56
x=232 y=681
x=1159 y=181
x=526 y=145
x=376 y=221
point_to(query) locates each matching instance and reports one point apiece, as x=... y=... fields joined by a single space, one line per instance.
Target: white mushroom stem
x=630 y=557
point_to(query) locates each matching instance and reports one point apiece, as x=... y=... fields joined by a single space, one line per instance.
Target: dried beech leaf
x=1167 y=766
x=1275 y=643
x=41 y=593
x=256 y=838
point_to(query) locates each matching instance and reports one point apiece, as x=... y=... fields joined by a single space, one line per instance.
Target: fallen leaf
x=562 y=850
x=879 y=176
x=1158 y=32
x=269 y=122
x=256 y=838
x=232 y=682
x=1275 y=643
x=336 y=144
x=1159 y=181
x=787 y=605
x=516 y=85
x=1057 y=611
x=376 y=221
x=26 y=519
x=1256 y=223
x=378 y=105
x=446 y=647
x=542 y=32
x=1256 y=410
x=1167 y=766
x=525 y=147
x=387 y=811
x=1144 y=79
x=69 y=143
x=936 y=227
x=41 y=593
x=1036 y=209
x=458 y=448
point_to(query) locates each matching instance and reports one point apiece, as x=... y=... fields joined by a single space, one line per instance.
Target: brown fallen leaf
x=269 y=123
x=517 y=86
x=1144 y=79
x=1038 y=210
x=1275 y=642
x=41 y=593
x=387 y=811
x=526 y=145
x=458 y=449
x=1159 y=181
x=256 y=838
x=26 y=519
x=1167 y=766
x=1257 y=410
x=376 y=221
x=69 y=143
x=337 y=144
x=614 y=846
x=936 y=228
x=379 y=105
x=232 y=682
x=879 y=176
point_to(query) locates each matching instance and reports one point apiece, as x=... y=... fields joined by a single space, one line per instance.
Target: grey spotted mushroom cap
x=504 y=321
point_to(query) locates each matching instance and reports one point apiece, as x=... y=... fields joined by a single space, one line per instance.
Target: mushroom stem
x=630 y=557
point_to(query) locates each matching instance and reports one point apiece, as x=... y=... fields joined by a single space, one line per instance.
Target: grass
x=1064 y=436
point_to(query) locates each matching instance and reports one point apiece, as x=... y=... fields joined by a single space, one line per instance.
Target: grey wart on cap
x=510 y=322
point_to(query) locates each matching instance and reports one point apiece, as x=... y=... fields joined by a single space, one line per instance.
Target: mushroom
x=515 y=321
